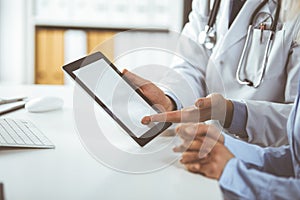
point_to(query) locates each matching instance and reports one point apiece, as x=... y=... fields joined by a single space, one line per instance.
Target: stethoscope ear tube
x=278 y=9
x=256 y=11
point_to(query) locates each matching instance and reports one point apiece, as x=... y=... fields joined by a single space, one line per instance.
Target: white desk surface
x=70 y=172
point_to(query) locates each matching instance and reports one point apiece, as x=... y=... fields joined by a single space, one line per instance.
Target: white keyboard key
x=32 y=137
x=22 y=133
x=24 y=137
x=2 y=141
x=13 y=134
x=26 y=133
x=6 y=136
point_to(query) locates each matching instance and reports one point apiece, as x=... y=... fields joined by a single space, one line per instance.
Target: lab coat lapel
x=239 y=27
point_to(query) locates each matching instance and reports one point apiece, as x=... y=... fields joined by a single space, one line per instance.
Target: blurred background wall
x=38 y=36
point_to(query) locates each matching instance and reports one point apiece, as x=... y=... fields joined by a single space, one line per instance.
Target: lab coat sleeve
x=272 y=117
x=276 y=161
x=171 y=95
x=188 y=68
x=240 y=180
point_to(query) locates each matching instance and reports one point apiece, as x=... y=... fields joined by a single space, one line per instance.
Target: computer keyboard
x=22 y=133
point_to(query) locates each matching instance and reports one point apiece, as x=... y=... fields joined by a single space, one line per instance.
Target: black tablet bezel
x=146 y=137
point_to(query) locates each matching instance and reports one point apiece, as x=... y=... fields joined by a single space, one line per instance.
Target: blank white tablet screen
x=117 y=95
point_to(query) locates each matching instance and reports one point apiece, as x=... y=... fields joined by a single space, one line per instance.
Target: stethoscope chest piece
x=207 y=38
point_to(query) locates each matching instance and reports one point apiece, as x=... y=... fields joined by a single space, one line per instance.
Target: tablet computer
x=116 y=95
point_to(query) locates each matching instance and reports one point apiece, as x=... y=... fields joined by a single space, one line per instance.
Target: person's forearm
x=277 y=160
x=173 y=105
x=246 y=182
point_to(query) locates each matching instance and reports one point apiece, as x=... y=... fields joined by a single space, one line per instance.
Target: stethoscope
x=207 y=38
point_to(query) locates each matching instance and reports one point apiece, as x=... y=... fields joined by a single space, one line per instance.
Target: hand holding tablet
x=116 y=95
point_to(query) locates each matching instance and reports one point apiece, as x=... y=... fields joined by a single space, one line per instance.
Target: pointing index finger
x=135 y=79
x=173 y=116
x=190 y=114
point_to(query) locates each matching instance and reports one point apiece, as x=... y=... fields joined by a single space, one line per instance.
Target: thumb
x=135 y=79
x=203 y=102
x=124 y=71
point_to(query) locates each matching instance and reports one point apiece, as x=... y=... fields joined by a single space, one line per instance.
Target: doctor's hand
x=151 y=91
x=214 y=107
x=203 y=150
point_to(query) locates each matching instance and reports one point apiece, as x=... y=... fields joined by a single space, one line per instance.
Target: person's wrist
x=171 y=105
x=221 y=138
x=224 y=166
x=229 y=114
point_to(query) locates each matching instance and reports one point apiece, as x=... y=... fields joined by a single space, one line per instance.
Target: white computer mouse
x=44 y=104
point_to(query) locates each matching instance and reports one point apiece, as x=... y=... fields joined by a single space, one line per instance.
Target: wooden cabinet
x=101 y=41
x=49 y=51
x=49 y=56
x=99 y=20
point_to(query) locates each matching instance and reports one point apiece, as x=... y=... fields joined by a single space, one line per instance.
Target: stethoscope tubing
x=214 y=13
x=256 y=11
x=268 y=46
x=242 y=59
x=212 y=39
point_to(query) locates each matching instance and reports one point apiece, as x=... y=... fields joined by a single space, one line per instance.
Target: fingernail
x=146 y=120
x=177 y=149
x=124 y=71
x=191 y=130
x=199 y=103
x=177 y=129
x=202 y=155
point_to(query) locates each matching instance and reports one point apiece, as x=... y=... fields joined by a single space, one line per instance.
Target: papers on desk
x=11 y=107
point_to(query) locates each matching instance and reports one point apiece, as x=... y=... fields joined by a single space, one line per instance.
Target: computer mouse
x=44 y=104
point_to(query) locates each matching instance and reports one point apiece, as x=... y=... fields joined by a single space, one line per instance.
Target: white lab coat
x=206 y=72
